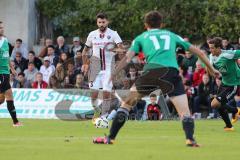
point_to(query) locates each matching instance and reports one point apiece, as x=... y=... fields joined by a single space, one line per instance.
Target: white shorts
x=102 y=82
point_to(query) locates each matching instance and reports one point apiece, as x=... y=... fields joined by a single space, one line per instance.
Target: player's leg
x=7 y=91
x=219 y=103
x=107 y=94
x=181 y=104
x=95 y=86
x=237 y=103
x=11 y=108
x=120 y=118
x=2 y=98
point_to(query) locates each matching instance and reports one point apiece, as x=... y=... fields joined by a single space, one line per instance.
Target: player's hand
x=214 y=73
x=85 y=68
x=111 y=79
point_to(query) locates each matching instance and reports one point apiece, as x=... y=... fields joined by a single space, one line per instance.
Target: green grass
x=164 y=140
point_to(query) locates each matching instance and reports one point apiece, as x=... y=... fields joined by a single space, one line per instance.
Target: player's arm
x=124 y=62
x=14 y=72
x=204 y=59
x=85 y=57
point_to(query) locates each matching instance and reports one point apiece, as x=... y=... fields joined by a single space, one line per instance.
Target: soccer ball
x=101 y=123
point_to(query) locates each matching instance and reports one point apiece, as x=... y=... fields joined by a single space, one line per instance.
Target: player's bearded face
x=102 y=24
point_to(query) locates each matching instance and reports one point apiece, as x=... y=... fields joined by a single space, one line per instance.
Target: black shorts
x=4 y=82
x=226 y=93
x=166 y=79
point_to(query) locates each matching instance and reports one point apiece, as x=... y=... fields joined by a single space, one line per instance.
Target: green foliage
x=192 y=18
x=222 y=18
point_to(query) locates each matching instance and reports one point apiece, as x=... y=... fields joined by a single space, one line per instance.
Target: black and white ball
x=101 y=123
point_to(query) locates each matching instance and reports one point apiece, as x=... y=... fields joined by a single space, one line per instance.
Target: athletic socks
x=230 y=109
x=188 y=127
x=12 y=111
x=118 y=122
x=224 y=114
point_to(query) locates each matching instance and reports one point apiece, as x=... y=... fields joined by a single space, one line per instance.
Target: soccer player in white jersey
x=101 y=63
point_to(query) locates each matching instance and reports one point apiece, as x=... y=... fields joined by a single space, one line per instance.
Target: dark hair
x=31 y=52
x=216 y=41
x=1 y=22
x=153 y=95
x=31 y=63
x=51 y=46
x=21 y=74
x=101 y=15
x=19 y=53
x=153 y=19
x=19 y=40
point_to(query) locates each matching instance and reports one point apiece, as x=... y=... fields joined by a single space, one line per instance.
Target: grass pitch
x=138 y=140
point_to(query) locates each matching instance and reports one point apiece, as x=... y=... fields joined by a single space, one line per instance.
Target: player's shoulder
x=92 y=33
x=111 y=31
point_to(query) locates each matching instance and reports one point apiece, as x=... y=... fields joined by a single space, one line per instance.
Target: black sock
x=188 y=127
x=12 y=111
x=224 y=114
x=118 y=122
x=230 y=109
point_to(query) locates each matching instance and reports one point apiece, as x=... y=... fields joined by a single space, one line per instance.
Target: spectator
x=70 y=73
x=39 y=83
x=132 y=74
x=205 y=46
x=237 y=46
x=67 y=83
x=203 y=97
x=52 y=55
x=64 y=60
x=198 y=74
x=20 y=61
x=22 y=82
x=13 y=81
x=19 y=47
x=138 y=109
x=46 y=69
x=190 y=61
x=30 y=72
x=153 y=109
x=226 y=45
x=43 y=52
x=16 y=68
x=78 y=62
x=80 y=82
x=53 y=83
x=32 y=58
x=77 y=46
x=61 y=46
x=59 y=73
x=183 y=72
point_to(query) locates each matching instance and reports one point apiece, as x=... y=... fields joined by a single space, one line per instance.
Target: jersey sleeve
x=89 y=40
x=116 y=38
x=180 y=41
x=136 y=46
x=231 y=54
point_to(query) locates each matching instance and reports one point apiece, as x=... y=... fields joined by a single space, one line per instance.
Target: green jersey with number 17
x=159 y=48
x=4 y=56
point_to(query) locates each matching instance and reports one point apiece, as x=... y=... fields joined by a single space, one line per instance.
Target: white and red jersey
x=97 y=41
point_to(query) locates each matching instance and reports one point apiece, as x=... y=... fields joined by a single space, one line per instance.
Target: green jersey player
x=5 y=88
x=160 y=72
x=225 y=62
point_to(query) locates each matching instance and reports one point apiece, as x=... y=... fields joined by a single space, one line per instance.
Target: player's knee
x=215 y=103
x=2 y=98
x=122 y=113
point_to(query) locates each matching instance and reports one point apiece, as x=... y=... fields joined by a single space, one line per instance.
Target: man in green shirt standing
x=160 y=72
x=5 y=88
x=225 y=62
